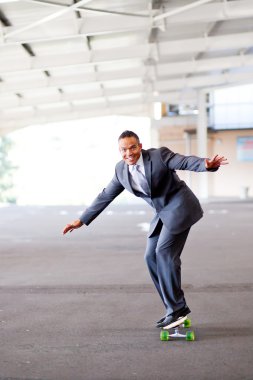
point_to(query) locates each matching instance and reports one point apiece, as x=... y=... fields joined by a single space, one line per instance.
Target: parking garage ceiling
x=70 y=59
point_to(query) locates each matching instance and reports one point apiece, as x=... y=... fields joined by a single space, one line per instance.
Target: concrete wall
x=232 y=180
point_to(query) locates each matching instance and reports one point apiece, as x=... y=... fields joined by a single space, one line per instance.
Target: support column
x=154 y=134
x=188 y=152
x=202 y=142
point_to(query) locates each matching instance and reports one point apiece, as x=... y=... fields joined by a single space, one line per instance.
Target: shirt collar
x=139 y=162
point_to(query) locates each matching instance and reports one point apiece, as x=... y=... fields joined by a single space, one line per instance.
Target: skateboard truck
x=165 y=335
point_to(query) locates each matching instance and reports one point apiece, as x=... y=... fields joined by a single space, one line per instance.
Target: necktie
x=140 y=179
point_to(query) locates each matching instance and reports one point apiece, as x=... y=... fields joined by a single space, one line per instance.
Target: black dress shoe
x=184 y=310
x=161 y=320
x=175 y=319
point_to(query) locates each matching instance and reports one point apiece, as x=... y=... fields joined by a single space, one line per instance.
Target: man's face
x=130 y=150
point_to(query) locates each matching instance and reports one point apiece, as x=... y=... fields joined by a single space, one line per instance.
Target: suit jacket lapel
x=127 y=180
x=148 y=167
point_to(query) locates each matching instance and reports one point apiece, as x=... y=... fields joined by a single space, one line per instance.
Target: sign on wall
x=245 y=148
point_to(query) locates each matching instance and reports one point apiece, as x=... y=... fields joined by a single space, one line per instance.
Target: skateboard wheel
x=164 y=335
x=187 y=323
x=190 y=336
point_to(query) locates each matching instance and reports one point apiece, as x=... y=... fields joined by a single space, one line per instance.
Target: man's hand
x=74 y=225
x=215 y=162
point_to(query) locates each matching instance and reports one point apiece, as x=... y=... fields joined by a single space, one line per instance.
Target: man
x=150 y=174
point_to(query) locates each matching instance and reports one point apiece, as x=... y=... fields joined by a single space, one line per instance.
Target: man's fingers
x=216 y=161
x=221 y=160
x=217 y=158
x=72 y=226
x=68 y=228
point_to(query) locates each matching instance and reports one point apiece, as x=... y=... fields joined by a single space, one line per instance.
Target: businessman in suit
x=151 y=175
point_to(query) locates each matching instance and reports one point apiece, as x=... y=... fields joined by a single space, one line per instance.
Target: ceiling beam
x=178 y=91
x=46 y=19
x=140 y=109
x=237 y=9
x=87 y=9
x=138 y=73
x=80 y=80
x=176 y=97
x=93 y=26
x=138 y=52
x=206 y=43
x=83 y=58
x=63 y=108
x=179 y=10
x=203 y=81
x=202 y=65
x=217 y=11
x=56 y=97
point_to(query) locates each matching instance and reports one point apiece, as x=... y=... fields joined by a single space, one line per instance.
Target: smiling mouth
x=130 y=161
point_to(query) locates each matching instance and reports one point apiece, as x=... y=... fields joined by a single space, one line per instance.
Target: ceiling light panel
x=130 y=64
x=30 y=76
x=41 y=93
x=70 y=89
x=122 y=83
x=111 y=41
x=72 y=70
x=66 y=46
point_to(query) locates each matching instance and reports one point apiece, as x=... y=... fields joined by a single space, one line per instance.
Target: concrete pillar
x=188 y=152
x=202 y=142
x=154 y=134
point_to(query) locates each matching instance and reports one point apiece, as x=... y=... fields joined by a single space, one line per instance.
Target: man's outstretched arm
x=176 y=161
x=113 y=189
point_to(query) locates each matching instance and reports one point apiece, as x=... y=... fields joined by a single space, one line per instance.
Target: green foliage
x=6 y=170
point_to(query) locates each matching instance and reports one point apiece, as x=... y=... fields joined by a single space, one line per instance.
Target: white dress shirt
x=131 y=168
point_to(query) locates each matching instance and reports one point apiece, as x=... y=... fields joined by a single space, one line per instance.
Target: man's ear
x=140 y=145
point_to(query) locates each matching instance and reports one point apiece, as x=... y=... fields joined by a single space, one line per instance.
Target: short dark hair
x=129 y=134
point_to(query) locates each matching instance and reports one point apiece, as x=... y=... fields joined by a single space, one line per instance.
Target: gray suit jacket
x=174 y=203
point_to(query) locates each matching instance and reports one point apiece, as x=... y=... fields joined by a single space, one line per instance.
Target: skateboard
x=189 y=335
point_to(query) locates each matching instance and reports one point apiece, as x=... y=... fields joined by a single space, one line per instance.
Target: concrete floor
x=82 y=306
